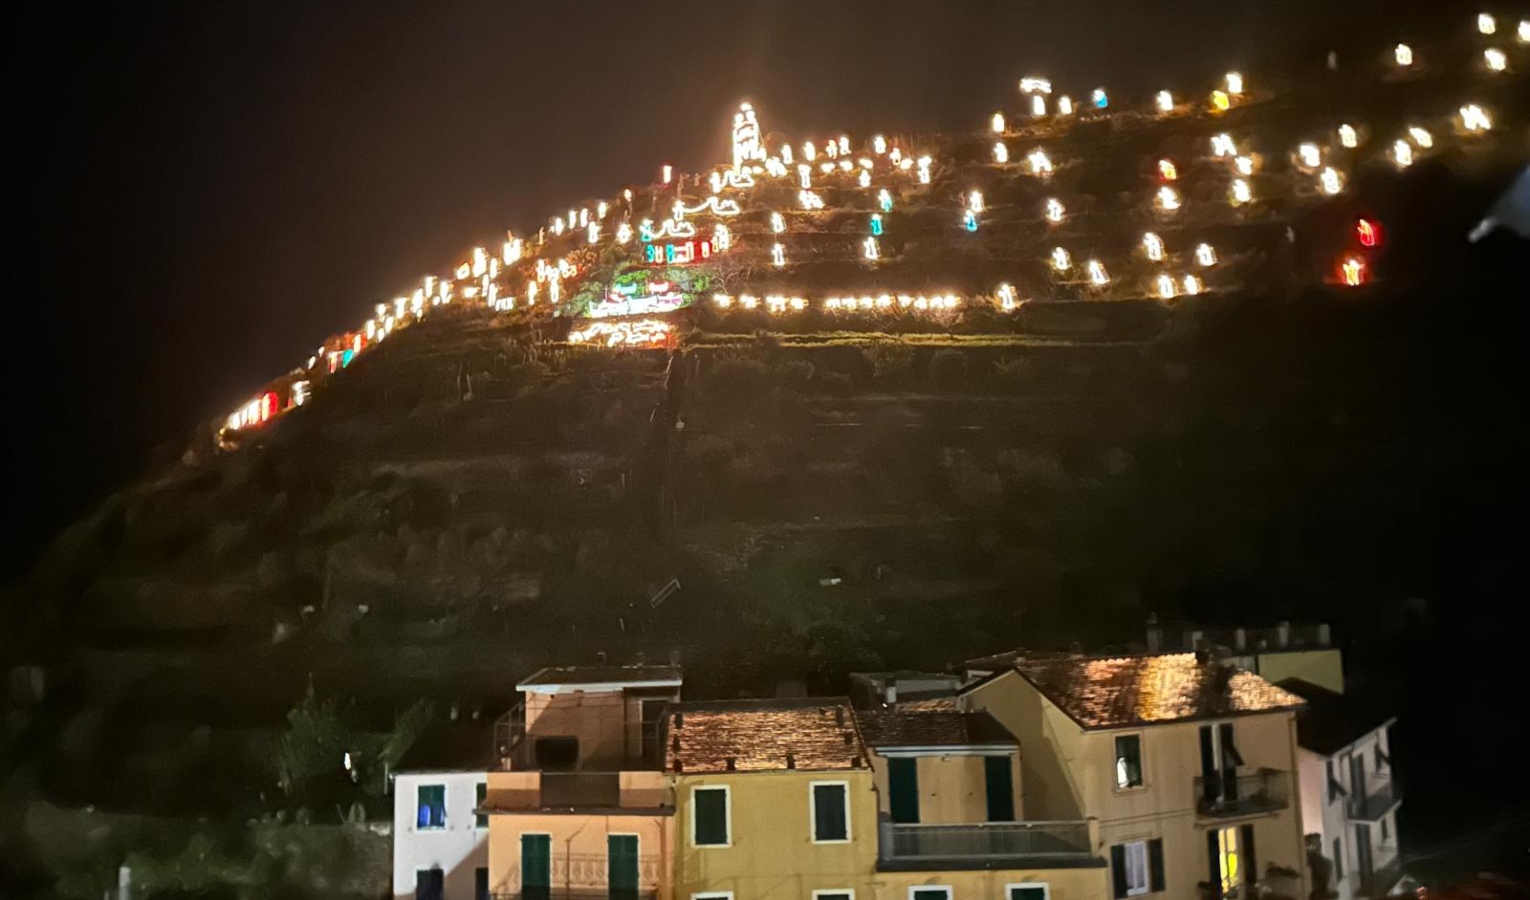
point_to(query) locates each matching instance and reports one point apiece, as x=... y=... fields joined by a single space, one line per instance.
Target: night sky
x=222 y=185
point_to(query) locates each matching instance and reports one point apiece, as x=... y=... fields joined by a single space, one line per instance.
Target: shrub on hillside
x=738 y=377
x=890 y=363
x=948 y=368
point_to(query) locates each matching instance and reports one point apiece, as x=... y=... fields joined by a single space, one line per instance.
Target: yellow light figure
x=1000 y=153
x=1097 y=274
x=1354 y=271
x=1403 y=54
x=1055 y=211
x=997 y=123
x=1205 y=255
x=1062 y=260
x=1167 y=170
x=1220 y=101
x=1152 y=246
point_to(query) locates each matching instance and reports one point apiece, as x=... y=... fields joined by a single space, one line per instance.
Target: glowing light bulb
x=1065 y=105
x=1244 y=165
x=1152 y=246
x=809 y=152
x=1220 y=101
x=1353 y=270
x=1041 y=164
x=1168 y=199
x=1496 y=60
x=1000 y=153
x=876 y=224
x=1402 y=154
x=592 y=232
x=1348 y=136
x=879 y=145
x=1234 y=84
x=1167 y=170
x=1422 y=138
x=1055 y=211
x=1205 y=254
x=809 y=200
x=668 y=172
x=778 y=255
x=1062 y=260
x=884 y=200
x=997 y=123
x=777 y=222
x=1034 y=85
x=1486 y=24
x=1310 y=155
x=924 y=169
x=1331 y=181
x=1403 y=54
x=871 y=248
x=975 y=201
x=1165 y=101
x=1038 y=105
x=623 y=233
x=1474 y=119
x=1099 y=98
x=864 y=179
x=1193 y=285
x=1008 y=300
x=1097 y=274
x=1241 y=193
x=970 y=220
x=1166 y=287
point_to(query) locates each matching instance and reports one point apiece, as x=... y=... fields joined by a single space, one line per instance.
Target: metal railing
x=560 y=893
x=1266 y=790
x=1381 y=879
x=509 y=735
x=901 y=842
x=1370 y=807
x=584 y=877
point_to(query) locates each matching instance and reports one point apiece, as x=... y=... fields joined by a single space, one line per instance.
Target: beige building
x=1186 y=764
x=811 y=799
x=576 y=804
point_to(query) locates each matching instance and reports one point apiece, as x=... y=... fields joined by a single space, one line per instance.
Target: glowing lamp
x=1152 y=245
x=1486 y=24
x=1422 y=138
x=1065 y=105
x=778 y=255
x=1402 y=154
x=864 y=179
x=1496 y=60
x=1331 y=181
x=1062 y=261
x=879 y=145
x=1008 y=300
x=1348 y=136
x=884 y=200
x=1240 y=192
x=668 y=172
x=1220 y=101
x=1310 y=155
x=997 y=123
x=1403 y=54
x=1097 y=274
x=876 y=224
x=1205 y=255
x=777 y=222
x=1474 y=119
x=1000 y=152
x=1244 y=165
x=1354 y=271
x=970 y=220
x=1193 y=285
x=1167 y=199
x=1235 y=84
x=1055 y=211
x=1041 y=164
x=1038 y=105
x=1167 y=288
x=1165 y=102
x=1368 y=233
x=1222 y=145
x=1099 y=98
x=871 y=249
x=975 y=201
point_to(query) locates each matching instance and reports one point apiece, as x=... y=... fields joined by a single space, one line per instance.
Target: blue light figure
x=1100 y=99
x=876 y=224
x=969 y=220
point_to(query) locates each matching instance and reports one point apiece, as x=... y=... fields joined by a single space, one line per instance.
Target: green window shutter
x=483 y=793
x=1250 y=860
x=1027 y=892
x=1155 y=864
x=431 y=806
x=1000 y=784
x=830 y=818
x=1118 y=870
x=1214 y=862
x=480 y=883
x=710 y=812
x=903 y=790
x=622 y=865
x=536 y=866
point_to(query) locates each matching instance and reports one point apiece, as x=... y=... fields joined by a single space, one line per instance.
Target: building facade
x=440 y=842
x=1186 y=763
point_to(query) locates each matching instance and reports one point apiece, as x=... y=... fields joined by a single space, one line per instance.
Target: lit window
x=709 y=819
x=431 y=808
x=831 y=812
x=1136 y=868
x=1129 y=761
x=1229 y=863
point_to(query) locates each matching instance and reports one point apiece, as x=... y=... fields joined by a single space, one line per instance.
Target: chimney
x=791 y=760
x=1196 y=639
x=1154 y=634
x=1240 y=639
x=1202 y=657
x=674 y=657
x=890 y=694
x=679 y=720
x=640 y=658
x=601 y=655
x=732 y=764
x=1325 y=637
x=1283 y=634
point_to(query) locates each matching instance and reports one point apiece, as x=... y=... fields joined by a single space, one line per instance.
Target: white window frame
x=727 y=823
x=1115 y=763
x=713 y=895
x=446 y=817
x=1147 y=868
x=1046 y=888
x=485 y=825
x=835 y=892
x=813 y=812
x=929 y=887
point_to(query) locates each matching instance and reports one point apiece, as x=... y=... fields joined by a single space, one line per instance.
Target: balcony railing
x=1382 y=879
x=583 y=877
x=1370 y=807
x=910 y=844
x=1266 y=790
x=558 y=893
x=509 y=735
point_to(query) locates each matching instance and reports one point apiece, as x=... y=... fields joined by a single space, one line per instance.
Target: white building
x=1349 y=797
x=440 y=843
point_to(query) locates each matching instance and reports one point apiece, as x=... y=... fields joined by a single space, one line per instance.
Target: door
x=651 y=711
x=903 y=789
x=429 y=884
x=536 y=866
x=1363 y=853
x=1357 y=782
x=622 y=866
x=1000 y=785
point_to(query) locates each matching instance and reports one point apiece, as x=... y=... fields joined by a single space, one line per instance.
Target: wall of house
x=1331 y=815
x=458 y=849
x=953 y=788
x=597 y=719
x=1063 y=884
x=579 y=849
x=1049 y=741
x=772 y=853
x=1324 y=667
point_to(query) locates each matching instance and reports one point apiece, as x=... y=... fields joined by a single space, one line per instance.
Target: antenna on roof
x=663 y=594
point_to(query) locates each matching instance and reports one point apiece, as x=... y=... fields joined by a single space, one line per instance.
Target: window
x=1028 y=891
x=1128 y=761
x=1136 y=867
x=429 y=884
x=709 y=817
x=556 y=752
x=1338 y=859
x=480 y=883
x=431 y=809
x=536 y=866
x=1228 y=864
x=482 y=821
x=837 y=894
x=1386 y=829
x=1380 y=757
x=830 y=805
x=1335 y=789
x=929 y=892
x=998 y=779
x=903 y=789
x=622 y=866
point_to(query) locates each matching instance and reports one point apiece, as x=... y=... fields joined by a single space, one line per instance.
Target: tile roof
x=929 y=704
x=1333 y=721
x=602 y=675
x=1152 y=689
x=905 y=728
x=762 y=736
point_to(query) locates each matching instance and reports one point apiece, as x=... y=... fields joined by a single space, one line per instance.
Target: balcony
x=911 y=847
x=1384 y=797
x=1264 y=791
x=611 y=793
x=1379 y=881
x=584 y=877
x=559 y=893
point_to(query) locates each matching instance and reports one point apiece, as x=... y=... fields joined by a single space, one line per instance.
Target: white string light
x=1331 y=181
x=1403 y=54
x=1401 y=154
x=1421 y=137
x=1496 y=59
x=1235 y=84
x=1152 y=246
x=1348 y=136
x=1065 y=105
x=1474 y=119
x=1062 y=260
x=1167 y=288
x=1000 y=153
x=1167 y=199
x=1041 y=164
x=1486 y=24
x=777 y=222
x=623 y=233
x=1222 y=145
x=1054 y=211
x=871 y=248
x=1240 y=192
x=1008 y=299
x=997 y=123
x=809 y=200
x=1309 y=155
x=975 y=201
x=778 y=255
x=1165 y=102
x=1097 y=274
x=1206 y=255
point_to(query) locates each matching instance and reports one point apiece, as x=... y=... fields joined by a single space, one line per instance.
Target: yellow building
x=1185 y=762
x=577 y=805
x=783 y=799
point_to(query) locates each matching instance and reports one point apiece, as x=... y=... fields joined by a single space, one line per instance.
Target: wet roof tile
x=762 y=736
